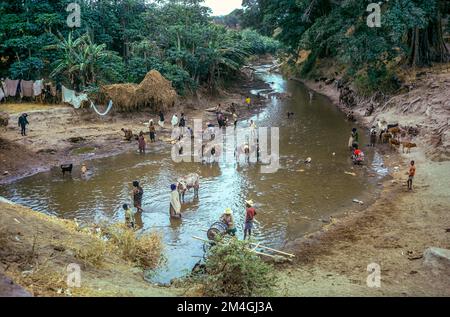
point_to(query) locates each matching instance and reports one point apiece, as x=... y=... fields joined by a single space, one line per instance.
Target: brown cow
x=408 y=146
x=394 y=131
x=394 y=143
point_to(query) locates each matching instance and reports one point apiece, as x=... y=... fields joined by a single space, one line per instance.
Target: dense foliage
x=411 y=34
x=120 y=41
x=233 y=270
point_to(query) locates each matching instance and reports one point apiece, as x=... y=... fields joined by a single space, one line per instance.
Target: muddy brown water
x=290 y=202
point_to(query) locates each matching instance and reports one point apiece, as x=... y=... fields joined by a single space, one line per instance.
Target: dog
x=408 y=146
x=66 y=168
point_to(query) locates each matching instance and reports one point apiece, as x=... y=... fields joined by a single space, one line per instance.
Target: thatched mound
x=153 y=92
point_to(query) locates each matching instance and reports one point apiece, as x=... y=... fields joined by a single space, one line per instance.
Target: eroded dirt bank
x=36 y=250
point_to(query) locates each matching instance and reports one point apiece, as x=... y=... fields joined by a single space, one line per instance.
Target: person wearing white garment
x=175 y=204
x=174 y=121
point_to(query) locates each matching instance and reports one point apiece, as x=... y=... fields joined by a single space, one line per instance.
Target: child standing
x=411 y=174
x=129 y=216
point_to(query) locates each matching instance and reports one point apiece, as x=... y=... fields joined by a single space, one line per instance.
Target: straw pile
x=154 y=92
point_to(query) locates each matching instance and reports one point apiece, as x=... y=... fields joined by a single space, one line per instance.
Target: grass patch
x=145 y=250
x=93 y=254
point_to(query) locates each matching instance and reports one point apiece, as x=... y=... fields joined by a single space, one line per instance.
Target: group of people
x=353 y=143
x=358 y=155
x=228 y=219
x=130 y=216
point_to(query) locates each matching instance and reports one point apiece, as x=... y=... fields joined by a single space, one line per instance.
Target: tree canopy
x=121 y=40
x=411 y=33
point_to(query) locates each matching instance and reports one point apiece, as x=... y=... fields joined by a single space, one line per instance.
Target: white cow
x=186 y=183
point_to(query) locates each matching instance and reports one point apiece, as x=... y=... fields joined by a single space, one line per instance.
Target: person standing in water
x=152 y=129
x=129 y=217
x=174 y=121
x=355 y=137
x=250 y=214
x=138 y=193
x=141 y=143
x=248 y=102
x=161 y=119
x=175 y=204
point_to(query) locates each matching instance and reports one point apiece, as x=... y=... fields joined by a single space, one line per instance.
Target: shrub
x=93 y=254
x=145 y=250
x=233 y=270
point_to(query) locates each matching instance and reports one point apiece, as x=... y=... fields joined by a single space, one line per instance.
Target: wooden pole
x=274 y=250
x=251 y=250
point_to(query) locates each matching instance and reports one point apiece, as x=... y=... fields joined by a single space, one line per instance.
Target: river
x=290 y=202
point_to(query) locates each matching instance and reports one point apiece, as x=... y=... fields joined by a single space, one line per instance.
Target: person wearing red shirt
x=250 y=214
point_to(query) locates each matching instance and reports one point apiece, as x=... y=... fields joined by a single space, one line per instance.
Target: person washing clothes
x=228 y=219
x=175 y=204
x=23 y=122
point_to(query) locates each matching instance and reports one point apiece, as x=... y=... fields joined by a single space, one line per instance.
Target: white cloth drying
x=71 y=97
x=2 y=94
x=38 y=86
x=110 y=105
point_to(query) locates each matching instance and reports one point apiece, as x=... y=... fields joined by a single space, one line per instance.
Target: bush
x=93 y=254
x=233 y=270
x=145 y=250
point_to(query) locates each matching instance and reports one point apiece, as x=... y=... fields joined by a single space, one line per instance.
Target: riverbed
x=296 y=200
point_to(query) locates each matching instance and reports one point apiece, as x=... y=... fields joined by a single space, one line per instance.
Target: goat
x=186 y=183
x=408 y=146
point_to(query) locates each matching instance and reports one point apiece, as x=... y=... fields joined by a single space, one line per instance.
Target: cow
x=211 y=152
x=186 y=183
x=394 y=143
x=408 y=146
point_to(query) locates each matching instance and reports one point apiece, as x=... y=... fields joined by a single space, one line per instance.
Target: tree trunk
x=428 y=45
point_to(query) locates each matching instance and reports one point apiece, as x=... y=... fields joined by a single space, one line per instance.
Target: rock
x=438 y=260
x=5 y=173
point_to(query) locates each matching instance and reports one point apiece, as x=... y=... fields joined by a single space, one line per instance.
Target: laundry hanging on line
x=11 y=87
x=71 y=97
x=38 y=86
x=110 y=105
x=26 y=88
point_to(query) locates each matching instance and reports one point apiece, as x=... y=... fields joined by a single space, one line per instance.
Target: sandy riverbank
x=393 y=232
x=59 y=134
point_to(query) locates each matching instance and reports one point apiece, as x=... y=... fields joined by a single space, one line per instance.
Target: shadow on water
x=284 y=199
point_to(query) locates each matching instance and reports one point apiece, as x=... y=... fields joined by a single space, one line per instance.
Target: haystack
x=153 y=92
